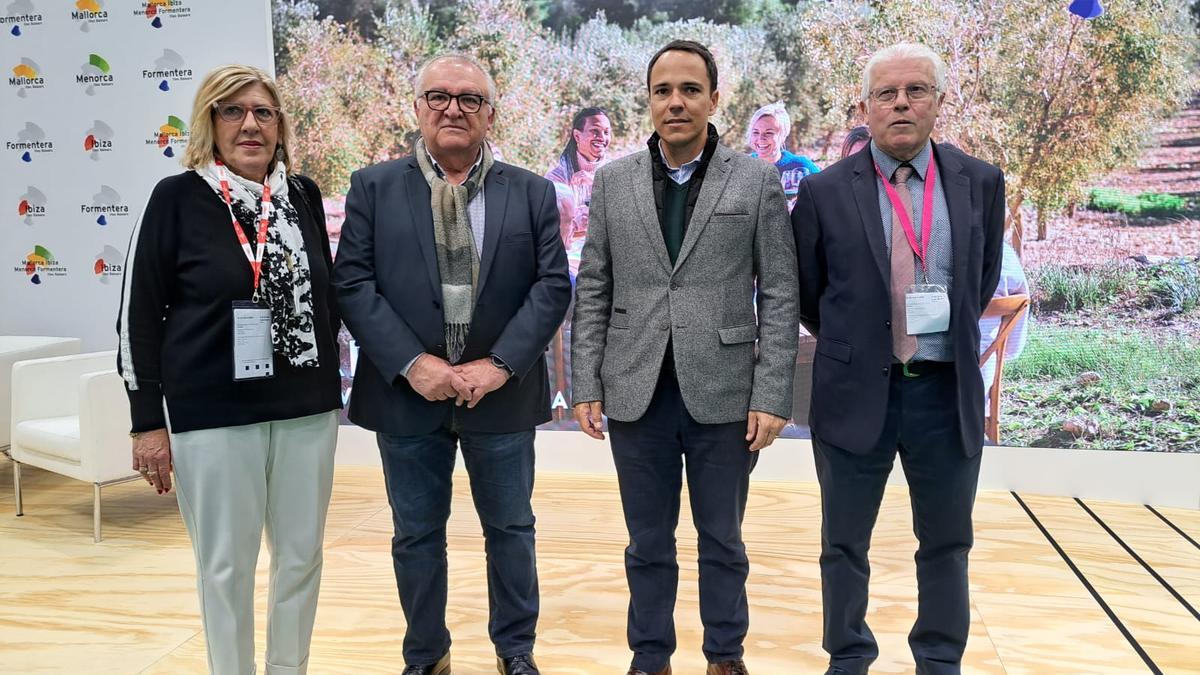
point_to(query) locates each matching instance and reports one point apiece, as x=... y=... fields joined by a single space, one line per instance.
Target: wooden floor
x=128 y=604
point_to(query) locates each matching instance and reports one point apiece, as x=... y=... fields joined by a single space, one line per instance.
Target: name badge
x=252 y=354
x=926 y=309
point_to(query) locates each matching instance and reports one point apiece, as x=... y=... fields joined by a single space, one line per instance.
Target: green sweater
x=674 y=208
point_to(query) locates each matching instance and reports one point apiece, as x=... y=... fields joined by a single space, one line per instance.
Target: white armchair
x=15 y=348
x=70 y=416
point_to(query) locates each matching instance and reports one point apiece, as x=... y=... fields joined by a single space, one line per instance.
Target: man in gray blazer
x=685 y=241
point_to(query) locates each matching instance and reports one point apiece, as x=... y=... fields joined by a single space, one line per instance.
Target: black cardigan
x=184 y=270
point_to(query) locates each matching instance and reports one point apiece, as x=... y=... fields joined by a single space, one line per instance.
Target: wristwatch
x=499 y=363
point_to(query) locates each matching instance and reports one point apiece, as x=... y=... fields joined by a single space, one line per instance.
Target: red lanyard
x=264 y=218
x=922 y=251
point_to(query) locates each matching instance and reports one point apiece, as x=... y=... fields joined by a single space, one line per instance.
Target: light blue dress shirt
x=683 y=173
x=940 y=260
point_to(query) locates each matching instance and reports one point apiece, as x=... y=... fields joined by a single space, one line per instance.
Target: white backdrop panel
x=88 y=88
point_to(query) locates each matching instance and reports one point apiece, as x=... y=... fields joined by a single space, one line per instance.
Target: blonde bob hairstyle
x=217 y=86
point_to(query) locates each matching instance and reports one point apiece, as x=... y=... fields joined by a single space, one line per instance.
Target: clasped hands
x=437 y=380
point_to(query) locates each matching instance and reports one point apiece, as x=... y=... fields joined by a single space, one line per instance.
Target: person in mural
x=856 y=139
x=589 y=137
x=1012 y=282
x=452 y=277
x=889 y=241
x=692 y=368
x=250 y=435
x=769 y=128
x=586 y=151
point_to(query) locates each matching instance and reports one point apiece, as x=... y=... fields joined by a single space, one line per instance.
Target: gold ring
x=144 y=470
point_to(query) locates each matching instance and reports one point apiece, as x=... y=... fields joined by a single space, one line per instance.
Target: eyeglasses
x=236 y=112
x=914 y=92
x=440 y=100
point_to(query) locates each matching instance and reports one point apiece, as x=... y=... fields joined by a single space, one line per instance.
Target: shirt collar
x=888 y=164
x=667 y=163
x=442 y=174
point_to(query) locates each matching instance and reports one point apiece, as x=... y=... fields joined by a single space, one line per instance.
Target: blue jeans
x=417 y=471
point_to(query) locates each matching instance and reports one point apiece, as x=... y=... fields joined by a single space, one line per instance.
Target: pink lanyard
x=921 y=252
x=264 y=218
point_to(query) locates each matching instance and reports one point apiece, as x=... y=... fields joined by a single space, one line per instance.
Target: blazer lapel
x=715 y=180
x=866 y=197
x=495 y=200
x=956 y=185
x=643 y=193
x=418 y=199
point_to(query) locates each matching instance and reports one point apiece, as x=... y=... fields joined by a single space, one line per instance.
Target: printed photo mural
x=1090 y=107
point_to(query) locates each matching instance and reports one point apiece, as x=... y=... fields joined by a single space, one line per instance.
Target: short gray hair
x=905 y=50
x=463 y=58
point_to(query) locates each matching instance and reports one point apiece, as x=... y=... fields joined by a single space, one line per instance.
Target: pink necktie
x=904 y=346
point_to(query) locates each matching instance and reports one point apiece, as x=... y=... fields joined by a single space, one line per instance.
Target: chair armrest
x=15 y=348
x=105 y=448
x=1005 y=305
x=41 y=387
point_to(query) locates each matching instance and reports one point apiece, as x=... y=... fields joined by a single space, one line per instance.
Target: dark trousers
x=922 y=425
x=417 y=471
x=651 y=455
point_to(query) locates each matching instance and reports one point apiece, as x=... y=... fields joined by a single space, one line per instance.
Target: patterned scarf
x=286 y=285
x=458 y=261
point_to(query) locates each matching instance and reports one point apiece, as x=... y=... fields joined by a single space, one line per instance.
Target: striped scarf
x=458 y=261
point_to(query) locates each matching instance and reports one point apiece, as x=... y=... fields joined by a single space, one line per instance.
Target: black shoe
x=521 y=664
x=442 y=667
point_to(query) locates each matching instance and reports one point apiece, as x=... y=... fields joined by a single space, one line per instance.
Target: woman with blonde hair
x=765 y=136
x=228 y=349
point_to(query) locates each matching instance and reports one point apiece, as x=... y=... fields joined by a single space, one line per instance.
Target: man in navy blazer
x=893 y=279
x=452 y=277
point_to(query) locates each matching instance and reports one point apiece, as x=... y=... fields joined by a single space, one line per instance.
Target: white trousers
x=230 y=483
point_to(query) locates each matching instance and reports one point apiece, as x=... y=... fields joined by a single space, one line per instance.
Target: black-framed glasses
x=236 y=112
x=914 y=92
x=440 y=100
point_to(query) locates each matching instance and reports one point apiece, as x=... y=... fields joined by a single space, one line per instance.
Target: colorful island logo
x=168 y=69
x=40 y=263
x=157 y=10
x=108 y=264
x=18 y=16
x=30 y=141
x=95 y=73
x=25 y=76
x=32 y=205
x=106 y=205
x=168 y=136
x=99 y=139
x=89 y=12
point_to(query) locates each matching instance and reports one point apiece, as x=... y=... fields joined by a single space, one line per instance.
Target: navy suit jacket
x=390 y=295
x=844 y=298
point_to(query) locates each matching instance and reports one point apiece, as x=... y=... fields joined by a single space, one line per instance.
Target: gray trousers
x=231 y=482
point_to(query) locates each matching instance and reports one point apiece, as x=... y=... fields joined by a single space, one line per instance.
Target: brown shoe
x=664 y=671
x=442 y=667
x=728 y=668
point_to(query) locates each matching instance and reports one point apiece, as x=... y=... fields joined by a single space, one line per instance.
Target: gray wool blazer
x=729 y=307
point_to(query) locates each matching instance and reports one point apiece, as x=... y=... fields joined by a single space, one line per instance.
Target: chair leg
x=17 y=487
x=96 y=513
